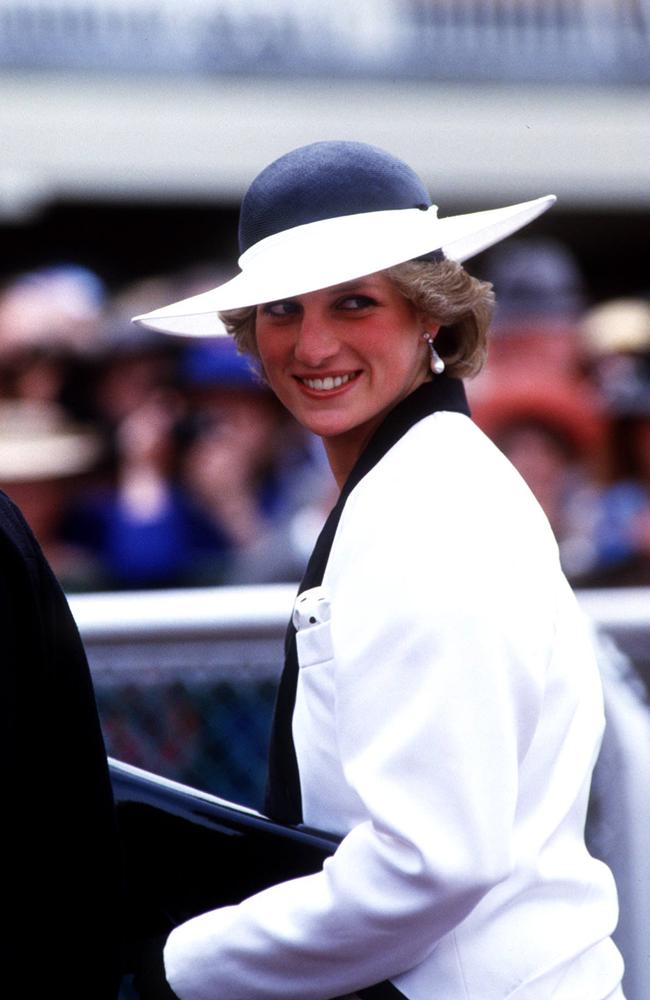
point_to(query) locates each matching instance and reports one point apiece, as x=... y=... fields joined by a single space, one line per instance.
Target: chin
x=328 y=428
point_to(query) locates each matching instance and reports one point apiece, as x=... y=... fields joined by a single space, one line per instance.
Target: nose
x=315 y=343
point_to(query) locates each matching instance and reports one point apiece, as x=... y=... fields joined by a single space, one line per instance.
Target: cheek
x=266 y=348
x=411 y=353
x=273 y=354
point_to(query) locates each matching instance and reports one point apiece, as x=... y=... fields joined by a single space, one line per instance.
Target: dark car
x=187 y=851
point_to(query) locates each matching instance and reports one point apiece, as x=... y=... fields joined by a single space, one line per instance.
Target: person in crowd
x=207 y=471
x=540 y=298
x=52 y=307
x=440 y=707
x=248 y=466
x=554 y=435
x=616 y=339
x=130 y=367
x=45 y=460
x=49 y=326
x=133 y=520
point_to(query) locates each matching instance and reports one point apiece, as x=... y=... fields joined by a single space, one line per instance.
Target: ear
x=428 y=325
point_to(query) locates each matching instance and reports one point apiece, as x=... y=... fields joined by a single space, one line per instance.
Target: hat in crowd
x=616 y=341
x=331 y=212
x=535 y=278
x=53 y=305
x=39 y=442
x=217 y=364
x=617 y=326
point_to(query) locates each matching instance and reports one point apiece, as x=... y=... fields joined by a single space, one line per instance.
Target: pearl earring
x=436 y=363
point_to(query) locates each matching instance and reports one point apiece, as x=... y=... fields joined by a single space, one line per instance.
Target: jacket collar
x=441 y=393
x=283 y=799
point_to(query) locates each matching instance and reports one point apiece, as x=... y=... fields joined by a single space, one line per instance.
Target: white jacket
x=447 y=719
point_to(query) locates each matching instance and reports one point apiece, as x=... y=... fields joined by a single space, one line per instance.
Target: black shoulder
x=14 y=530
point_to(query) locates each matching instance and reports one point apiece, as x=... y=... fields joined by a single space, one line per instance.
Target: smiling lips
x=328 y=382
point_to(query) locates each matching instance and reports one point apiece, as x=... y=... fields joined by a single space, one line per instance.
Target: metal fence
x=186 y=679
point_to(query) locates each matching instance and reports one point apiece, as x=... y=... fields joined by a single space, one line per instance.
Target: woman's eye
x=280 y=309
x=356 y=302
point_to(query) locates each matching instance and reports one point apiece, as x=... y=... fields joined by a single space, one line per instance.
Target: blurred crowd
x=141 y=460
x=566 y=396
x=145 y=461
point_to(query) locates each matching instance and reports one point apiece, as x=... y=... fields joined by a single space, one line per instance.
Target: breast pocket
x=311 y=617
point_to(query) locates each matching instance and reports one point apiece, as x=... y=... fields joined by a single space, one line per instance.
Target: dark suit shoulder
x=15 y=531
x=59 y=820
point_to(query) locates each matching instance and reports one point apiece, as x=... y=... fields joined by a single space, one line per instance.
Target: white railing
x=210 y=627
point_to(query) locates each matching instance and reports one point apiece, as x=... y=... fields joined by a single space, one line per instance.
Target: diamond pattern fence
x=212 y=735
x=186 y=681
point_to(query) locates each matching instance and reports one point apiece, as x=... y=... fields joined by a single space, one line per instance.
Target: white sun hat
x=332 y=212
x=38 y=442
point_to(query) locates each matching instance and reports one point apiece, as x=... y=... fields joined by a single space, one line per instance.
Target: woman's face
x=340 y=358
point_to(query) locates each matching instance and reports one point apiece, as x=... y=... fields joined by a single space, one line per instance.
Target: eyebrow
x=356 y=283
x=364 y=286
x=348 y=286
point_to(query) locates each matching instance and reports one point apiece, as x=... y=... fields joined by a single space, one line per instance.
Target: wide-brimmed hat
x=328 y=213
x=39 y=442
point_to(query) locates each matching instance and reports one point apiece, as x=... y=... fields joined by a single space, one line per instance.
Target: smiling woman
x=460 y=302
x=440 y=707
x=385 y=305
x=340 y=358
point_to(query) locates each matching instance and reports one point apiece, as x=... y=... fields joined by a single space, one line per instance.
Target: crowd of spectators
x=566 y=395
x=141 y=460
x=145 y=461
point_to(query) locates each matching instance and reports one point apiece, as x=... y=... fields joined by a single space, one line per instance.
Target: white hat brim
x=332 y=251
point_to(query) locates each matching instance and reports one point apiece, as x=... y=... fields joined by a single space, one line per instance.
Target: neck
x=347 y=453
x=343 y=450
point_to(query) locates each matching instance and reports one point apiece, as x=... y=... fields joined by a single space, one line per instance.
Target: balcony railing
x=599 y=41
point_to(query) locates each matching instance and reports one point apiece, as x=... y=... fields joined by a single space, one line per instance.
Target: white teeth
x=329 y=382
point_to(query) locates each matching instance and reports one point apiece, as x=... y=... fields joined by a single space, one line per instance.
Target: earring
x=436 y=363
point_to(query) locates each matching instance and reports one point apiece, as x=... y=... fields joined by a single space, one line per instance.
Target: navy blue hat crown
x=325 y=180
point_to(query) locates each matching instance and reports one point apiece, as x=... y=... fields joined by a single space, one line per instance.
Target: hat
x=38 y=442
x=617 y=326
x=535 y=277
x=330 y=212
x=217 y=364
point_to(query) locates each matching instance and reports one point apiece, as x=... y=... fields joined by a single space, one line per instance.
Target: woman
x=440 y=706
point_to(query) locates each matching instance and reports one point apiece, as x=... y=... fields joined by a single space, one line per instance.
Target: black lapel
x=283 y=801
x=382 y=991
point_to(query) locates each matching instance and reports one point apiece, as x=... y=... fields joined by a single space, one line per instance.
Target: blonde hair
x=461 y=304
x=444 y=292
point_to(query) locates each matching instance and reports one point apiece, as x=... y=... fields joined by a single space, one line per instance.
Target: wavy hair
x=444 y=292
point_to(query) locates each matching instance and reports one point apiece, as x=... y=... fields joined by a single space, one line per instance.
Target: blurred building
x=127 y=121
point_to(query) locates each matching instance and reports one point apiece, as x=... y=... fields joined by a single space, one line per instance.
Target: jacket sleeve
x=433 y=714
